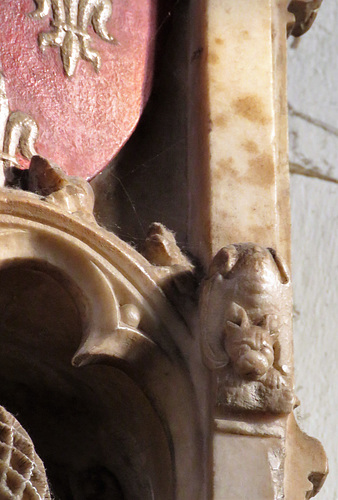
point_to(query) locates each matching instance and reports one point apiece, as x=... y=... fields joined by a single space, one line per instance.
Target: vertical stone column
x=237 y=154
x=239 y=185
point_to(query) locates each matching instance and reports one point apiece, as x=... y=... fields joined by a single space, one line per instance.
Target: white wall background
x=313 y=100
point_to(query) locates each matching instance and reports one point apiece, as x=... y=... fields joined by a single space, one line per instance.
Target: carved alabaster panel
x=246 y=329
x=139 y=418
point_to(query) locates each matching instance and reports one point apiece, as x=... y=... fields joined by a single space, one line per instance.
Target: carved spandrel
x=126 y=323
x=246 y=331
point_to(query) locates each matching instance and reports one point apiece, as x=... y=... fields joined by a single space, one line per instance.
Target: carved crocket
x=305 y=12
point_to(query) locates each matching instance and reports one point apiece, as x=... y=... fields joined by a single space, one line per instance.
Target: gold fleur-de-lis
x=70 y=21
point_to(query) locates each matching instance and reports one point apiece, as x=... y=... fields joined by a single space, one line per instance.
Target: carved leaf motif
x=70 y=52
x=250 y=347
x=305 y=13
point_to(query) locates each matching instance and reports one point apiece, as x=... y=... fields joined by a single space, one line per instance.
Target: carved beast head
x=255 y=279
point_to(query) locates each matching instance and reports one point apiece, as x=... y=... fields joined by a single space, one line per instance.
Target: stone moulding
x=142 y=375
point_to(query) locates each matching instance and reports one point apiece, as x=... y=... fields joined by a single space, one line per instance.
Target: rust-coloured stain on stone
x=261 y=170
x=252 y=108
x=224 y=168
x=85 y=118
x=259 y=232
x=213 y=58
x=220 y=120
x=251 y=147
x=219 y=41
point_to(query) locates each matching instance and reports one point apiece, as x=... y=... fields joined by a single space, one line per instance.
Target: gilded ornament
x=18 y=132
x=70 y=21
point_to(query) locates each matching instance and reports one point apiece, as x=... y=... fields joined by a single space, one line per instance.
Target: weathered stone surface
x=237 y=162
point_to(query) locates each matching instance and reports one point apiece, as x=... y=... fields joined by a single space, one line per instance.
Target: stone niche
x=97 y=433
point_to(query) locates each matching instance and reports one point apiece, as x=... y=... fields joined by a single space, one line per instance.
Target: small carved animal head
x=256 y=280
x=253 y=276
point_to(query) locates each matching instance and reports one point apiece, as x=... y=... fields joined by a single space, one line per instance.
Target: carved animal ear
x=238 y=316
x=232 y=329
x=224 y=261
x=283 y=271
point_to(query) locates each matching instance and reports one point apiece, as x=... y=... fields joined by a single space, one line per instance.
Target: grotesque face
x=249 y=346
x=251 y=288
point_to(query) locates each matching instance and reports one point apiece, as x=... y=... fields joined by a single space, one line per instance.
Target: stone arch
x=93 y=426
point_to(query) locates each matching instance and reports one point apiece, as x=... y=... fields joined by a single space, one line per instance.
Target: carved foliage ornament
x=70 y=21
x=246 y=331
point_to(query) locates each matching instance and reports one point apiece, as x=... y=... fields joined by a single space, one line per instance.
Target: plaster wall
x=313 y=124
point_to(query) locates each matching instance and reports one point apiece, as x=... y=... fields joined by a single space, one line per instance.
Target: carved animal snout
x=250 y=347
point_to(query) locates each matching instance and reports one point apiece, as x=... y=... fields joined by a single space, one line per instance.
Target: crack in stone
x=313 y=121
x=298 y=169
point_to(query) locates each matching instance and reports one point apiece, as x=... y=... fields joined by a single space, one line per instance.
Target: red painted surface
x=83 y=120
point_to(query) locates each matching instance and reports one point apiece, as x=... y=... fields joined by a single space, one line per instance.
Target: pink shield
x=81 y=69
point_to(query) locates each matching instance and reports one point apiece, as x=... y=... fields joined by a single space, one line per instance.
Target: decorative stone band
x=264 y=428
x=245 y=309
x=70 y=29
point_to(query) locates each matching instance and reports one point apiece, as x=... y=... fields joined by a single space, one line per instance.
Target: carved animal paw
x=251 y=363
x=275 y=380
x=161 y=249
